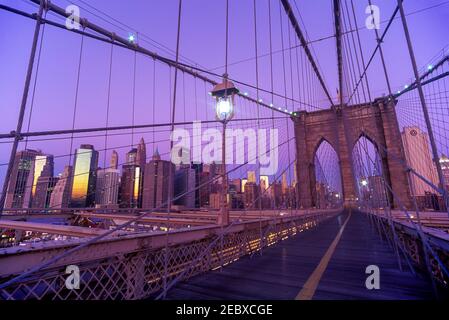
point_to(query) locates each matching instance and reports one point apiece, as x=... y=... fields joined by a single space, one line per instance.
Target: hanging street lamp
x=224 y=94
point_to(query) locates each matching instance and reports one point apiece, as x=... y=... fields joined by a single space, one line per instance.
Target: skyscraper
x=43 y=168
x=60 y=196
x=114 y=160
x=21 y=184
x=131 y=157
x=84 y=177
x=185 y=182
x=284 y=183
x=244 y=182
x=107 y=188
x=252 y=176
x=44 y=189
x=251 y=195
x=130 y=186
x=417 y=154
x=141 y=156
x=264 y=183
x=156 y=191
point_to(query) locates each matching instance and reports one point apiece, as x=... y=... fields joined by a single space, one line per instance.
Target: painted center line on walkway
x=309 y=288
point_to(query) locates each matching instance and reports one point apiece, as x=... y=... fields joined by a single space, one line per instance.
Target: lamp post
x=224 y=111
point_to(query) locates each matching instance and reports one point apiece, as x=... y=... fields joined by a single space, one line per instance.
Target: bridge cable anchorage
x=22 y=105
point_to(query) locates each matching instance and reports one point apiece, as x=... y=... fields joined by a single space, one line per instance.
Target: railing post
x=17 y=133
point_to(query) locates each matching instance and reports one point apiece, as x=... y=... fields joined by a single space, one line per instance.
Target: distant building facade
x=21 y=184
x=84 y=177
x=60 y=196
x=107 y=188
x=417 y=154
x=157 y=186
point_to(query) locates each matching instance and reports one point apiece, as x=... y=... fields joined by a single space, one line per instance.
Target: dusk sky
x=202 y=42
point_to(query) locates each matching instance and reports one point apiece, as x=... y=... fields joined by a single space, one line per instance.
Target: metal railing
x=132 y=266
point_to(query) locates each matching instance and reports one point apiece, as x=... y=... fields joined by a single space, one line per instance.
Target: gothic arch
x=379 y=126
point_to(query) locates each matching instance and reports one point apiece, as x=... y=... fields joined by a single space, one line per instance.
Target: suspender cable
x=170 y=182
x=17 y=136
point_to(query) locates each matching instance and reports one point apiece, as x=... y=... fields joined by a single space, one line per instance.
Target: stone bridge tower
x=342 y=128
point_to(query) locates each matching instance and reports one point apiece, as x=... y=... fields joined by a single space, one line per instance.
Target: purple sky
x=201 y=41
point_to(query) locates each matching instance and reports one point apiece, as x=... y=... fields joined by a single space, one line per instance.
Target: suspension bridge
x=359 y=188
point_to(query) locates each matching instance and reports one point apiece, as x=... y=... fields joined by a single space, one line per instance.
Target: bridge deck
x=282 y=270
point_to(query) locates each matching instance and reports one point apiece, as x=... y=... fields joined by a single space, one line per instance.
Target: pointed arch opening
x=327 y=188
x=369 y=173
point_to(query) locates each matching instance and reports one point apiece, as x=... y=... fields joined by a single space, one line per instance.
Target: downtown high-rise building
x=264 y=183
x=107 y=188
x=184 y=186
x=244 y=182
x=28 y=166
x=252 y=176
x=131 y=157
x=84 y=177
x=417 y=154
x=276 y=192
x=158 y=182
x=251 y=195
x=44 y=189
x=444 y=163
x=114 y=160
x=43 y=181
x=203 y=176
x=60 y=196
x=130 y=186
x=141 y=156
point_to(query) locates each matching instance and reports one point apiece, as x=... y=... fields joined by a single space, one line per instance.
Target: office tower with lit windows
x=252 y=176
x=244 y=182
x=107 y=188
x=84 y=177
x=264 y=183
x=24 y=175
x=60 y=196
x=130 y=185
x=276 y=192
x=158 y=182
x=284 y=183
